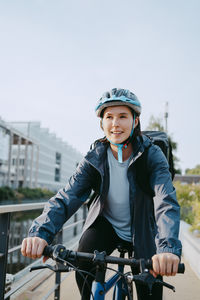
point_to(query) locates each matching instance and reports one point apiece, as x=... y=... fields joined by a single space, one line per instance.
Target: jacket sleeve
x=166 y=207
x=64 y=204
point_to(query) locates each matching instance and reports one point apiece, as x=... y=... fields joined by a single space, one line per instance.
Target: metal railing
x=5 y=216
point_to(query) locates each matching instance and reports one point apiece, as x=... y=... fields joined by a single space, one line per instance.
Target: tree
x=156 y=124
x=194 y=171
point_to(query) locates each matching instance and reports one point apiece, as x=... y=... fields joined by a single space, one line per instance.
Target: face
x=117 y=123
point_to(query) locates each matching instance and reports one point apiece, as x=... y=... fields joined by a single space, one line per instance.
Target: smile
x=116 y=132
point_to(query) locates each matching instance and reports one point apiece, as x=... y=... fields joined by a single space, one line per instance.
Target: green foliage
x=196 y=211
x=194 y=171
x=35 y=193
x=155 y=124
x=188 y=196
x=6 y=193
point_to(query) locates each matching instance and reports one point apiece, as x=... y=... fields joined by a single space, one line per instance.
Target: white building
x=36 y=157
x=10 y=165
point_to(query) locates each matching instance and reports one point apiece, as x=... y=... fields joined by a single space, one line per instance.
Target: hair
x=137 y=129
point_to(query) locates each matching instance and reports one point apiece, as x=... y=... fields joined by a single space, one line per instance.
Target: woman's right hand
x=33 y=247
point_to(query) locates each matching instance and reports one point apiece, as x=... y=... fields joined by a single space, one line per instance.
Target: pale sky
x=58 y=57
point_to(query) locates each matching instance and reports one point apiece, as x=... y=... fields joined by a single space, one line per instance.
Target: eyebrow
x=122 y=113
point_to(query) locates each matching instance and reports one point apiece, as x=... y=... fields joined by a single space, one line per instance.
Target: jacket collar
x=98 y=154
x=139 y=145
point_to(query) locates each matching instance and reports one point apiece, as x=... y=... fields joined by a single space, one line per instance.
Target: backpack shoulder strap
x=171 y=161
x=142 y=173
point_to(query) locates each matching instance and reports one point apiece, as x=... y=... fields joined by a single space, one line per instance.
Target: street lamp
x=166 y=114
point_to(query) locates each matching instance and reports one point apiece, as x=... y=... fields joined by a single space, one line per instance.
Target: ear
x=136 y=121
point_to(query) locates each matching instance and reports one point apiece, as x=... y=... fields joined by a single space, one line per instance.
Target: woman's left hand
x=165 y=264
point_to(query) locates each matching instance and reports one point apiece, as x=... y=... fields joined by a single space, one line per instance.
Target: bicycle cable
x=122 y=275
x=80 y=273
x=85 y=283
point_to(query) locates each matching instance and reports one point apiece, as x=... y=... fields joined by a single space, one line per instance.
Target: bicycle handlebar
x=59 y=251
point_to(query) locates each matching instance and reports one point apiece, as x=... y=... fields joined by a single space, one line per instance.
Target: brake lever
x=149 y=280
x=163 y=283
x=41 y=267
x=55 y=268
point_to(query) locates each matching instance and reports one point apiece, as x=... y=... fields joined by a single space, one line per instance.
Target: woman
x=121 y=211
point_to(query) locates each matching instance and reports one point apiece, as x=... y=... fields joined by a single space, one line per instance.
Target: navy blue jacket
x=154 y=221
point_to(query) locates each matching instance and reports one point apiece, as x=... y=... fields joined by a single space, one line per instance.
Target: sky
x=58 y=57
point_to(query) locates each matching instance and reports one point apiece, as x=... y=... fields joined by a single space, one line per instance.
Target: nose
x=115 y=122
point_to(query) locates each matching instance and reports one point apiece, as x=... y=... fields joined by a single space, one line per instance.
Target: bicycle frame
x=99 y=290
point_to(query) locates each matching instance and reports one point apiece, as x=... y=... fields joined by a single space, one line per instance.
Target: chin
x=117 y=140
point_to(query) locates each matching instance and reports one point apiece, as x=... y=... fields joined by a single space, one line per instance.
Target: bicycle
x=121 y=281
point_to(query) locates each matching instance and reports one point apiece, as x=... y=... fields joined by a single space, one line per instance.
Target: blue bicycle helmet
x=117 y=97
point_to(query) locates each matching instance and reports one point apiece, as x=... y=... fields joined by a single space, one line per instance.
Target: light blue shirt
x=117 y=206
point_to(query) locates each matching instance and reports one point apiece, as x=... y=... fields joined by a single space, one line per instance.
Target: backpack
x=160 y=139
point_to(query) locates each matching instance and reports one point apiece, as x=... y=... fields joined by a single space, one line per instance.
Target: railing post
x=75 y=227
x=58 y=274
x=4 y=236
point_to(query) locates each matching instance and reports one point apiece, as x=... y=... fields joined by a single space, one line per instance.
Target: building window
x=21 y=161
x=58 y=167
x=58 y=158
x=57 y=174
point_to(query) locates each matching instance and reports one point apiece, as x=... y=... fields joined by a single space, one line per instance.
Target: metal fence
x=5 y=216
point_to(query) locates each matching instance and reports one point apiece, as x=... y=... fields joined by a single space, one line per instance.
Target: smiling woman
x=121 y=212
x=118 y=123
x=116 y=106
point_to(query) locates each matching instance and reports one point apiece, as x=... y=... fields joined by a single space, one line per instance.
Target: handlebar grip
x=48 y=251
x=181 y=268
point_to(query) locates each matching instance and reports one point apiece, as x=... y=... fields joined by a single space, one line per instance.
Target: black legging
x=102 y=237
